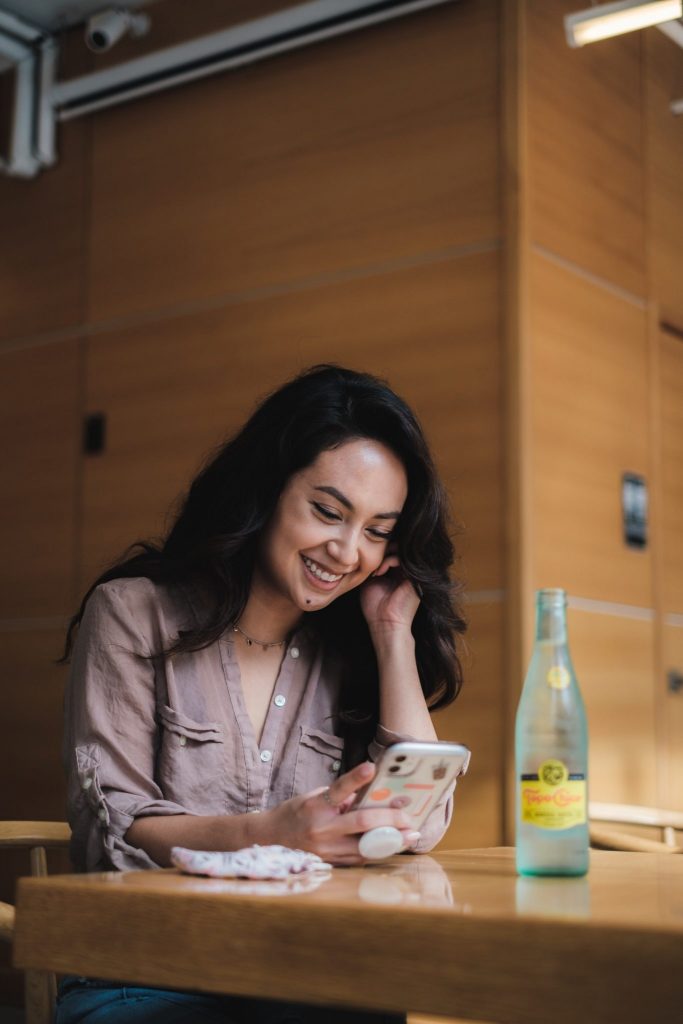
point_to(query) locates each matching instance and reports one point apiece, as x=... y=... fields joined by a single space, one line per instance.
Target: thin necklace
x=260 y=643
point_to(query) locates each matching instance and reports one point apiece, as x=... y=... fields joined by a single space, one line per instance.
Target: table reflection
x=414 y=880
x=553 y=897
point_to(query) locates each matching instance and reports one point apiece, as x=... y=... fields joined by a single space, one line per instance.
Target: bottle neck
x=551 y=619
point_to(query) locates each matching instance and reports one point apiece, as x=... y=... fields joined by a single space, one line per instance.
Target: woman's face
x=332 y=524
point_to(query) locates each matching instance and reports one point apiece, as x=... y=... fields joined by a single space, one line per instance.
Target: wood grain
x=672 y=754
x=476 y=719
x=614 y=661
x=605 y=948
x=585 y=157
x=378 y=146
x=664 y=83
x=40 y=421
x=34 y=833
x=671 y=470
x=30 y=754
x=432 y=331
x=42 y=256
x=589 y=424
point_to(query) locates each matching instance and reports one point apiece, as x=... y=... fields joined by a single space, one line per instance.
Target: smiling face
x=331 y=526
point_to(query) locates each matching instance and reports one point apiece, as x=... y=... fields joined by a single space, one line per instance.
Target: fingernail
x=412 y=837
x=366 y=768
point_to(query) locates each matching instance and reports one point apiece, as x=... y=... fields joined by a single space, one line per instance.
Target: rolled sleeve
x=111 y=736
x=439 y=818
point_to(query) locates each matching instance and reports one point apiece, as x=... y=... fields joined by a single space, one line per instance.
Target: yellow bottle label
x=558 y=677
x=552 y=797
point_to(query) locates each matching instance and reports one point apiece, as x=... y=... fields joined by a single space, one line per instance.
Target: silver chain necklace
x=250 y=640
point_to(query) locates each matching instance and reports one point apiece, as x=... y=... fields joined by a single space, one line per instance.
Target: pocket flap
x=323 y=742
x=202 y=732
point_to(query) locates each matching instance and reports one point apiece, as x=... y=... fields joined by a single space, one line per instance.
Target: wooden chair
x=665 y=823
x=40 y=986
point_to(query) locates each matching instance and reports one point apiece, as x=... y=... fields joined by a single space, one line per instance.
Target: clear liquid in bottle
x=551 y=753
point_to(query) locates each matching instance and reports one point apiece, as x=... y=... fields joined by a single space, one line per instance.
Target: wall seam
x=586 y=275
x=216 y=303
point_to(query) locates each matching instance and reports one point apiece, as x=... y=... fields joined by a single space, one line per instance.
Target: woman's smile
x=319 y=576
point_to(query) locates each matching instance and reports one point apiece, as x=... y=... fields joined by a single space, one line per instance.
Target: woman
x=229 y=686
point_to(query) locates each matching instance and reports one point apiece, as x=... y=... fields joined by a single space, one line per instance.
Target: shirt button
x=183 y=741
x=102 y=814
x=266 y=755
x=87 y=783
x=280 y=701
x=336 y=765
x=294 y=652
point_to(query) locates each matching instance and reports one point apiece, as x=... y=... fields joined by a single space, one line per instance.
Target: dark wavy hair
x=214 y=539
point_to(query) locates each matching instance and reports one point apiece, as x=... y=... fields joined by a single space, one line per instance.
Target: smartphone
x=417 y=772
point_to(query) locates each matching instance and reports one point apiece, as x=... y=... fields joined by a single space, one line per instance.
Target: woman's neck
x=267 y=617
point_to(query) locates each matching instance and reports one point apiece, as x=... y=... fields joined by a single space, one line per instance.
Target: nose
x=343 y=551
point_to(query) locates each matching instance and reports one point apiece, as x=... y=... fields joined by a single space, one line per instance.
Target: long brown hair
x=214 y=538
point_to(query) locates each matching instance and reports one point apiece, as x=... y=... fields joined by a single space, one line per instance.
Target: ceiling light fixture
x=607 y=20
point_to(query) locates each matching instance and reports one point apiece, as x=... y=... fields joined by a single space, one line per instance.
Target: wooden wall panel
x=589 y=424
x=671 y=471
x=614 y=662
x=40 y=424
x=30 y=753
x=664 y=79
x=42 y=256
x=672 y=718
x=30 y=758
x=476 y=719
x=432 y=331
x=585 y=169
x=375 y=147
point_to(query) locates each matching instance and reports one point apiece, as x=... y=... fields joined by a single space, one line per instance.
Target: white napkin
x=250 y=862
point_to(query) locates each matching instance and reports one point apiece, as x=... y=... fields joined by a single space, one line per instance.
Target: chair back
x=666 y=828
x=40 y=987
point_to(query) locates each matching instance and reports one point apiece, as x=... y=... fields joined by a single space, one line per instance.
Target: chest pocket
x=319 y=759
x=191 y=762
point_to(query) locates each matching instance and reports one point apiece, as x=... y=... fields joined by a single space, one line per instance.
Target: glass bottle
x=551 y=753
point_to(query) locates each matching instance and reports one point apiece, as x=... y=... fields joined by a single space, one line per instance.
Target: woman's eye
x=328 y=513
x=381 y=534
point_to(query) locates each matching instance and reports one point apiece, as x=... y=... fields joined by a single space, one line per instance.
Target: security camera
x=107 y=27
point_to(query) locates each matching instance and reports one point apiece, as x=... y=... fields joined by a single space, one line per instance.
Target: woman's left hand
x=389 y=600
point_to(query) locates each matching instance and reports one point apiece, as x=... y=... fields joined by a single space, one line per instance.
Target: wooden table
x=454 y=933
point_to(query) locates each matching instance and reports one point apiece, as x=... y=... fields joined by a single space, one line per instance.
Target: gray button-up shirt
x=173 y=736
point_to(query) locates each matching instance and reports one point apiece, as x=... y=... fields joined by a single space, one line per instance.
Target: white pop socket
x=379 y=843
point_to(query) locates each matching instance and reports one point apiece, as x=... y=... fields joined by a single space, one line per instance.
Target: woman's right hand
x=323 y=822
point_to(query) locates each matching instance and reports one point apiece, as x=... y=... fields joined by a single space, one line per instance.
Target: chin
x=315 y=602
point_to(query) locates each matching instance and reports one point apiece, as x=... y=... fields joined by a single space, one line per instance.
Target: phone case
x=419 y=773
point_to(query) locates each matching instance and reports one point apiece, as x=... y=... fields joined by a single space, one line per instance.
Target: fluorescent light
x=607 y=20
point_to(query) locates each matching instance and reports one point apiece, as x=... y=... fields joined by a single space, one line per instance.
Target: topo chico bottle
x=551 y=753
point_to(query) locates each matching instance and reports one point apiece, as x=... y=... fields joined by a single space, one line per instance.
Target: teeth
x=320 y=573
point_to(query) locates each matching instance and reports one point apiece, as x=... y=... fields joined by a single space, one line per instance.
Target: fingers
x=357 y=822
x=410 y=838
x=388 y=562
x=347 y=785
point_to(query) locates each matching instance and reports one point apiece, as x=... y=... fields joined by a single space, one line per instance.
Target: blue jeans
x=92 y=1001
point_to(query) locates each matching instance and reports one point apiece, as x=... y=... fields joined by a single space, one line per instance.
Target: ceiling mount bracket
x=34 y=58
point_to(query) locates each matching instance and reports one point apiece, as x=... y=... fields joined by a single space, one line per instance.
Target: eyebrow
x=345 y=501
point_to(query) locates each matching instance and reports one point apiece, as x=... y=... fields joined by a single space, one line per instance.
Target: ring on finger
x=328 y=799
